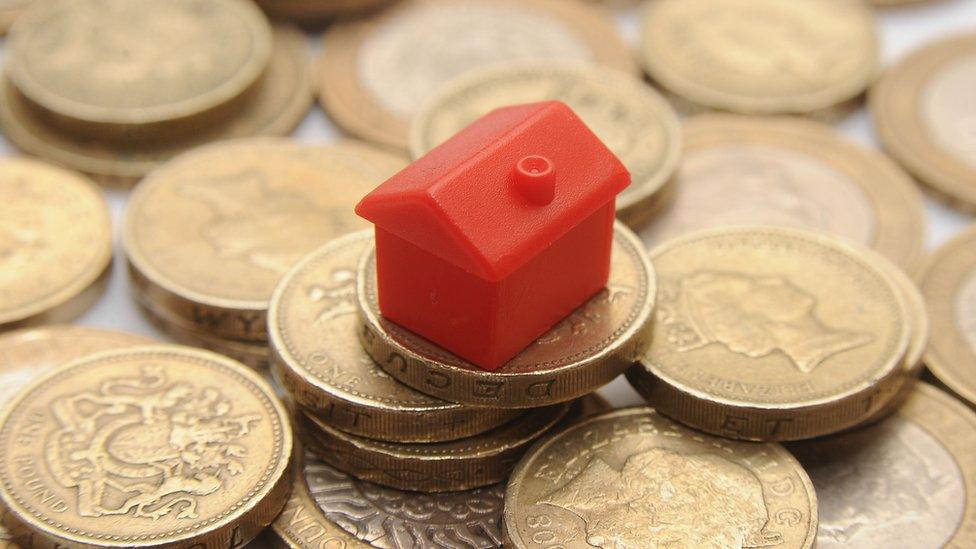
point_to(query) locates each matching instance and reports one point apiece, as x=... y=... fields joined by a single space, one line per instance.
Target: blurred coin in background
x=317 y=11
x=10 y=10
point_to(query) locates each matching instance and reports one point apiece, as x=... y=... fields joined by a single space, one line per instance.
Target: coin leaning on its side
x=196 y=447
x=632 y=478
x=376 y=73
x=923 y=112
x=312 y=326
x=790 y=172
x=55 y=243
x=769 y=333
x=633 y=120
x=585 y=351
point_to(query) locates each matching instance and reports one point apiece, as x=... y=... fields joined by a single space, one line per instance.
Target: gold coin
x=10 y=10
x=376 y=73
x=923 y=112
x=761 y=56
x=314 y=11
x=633 y=120
x=450 y=466
x=273 y=106
x=773 y=334
x=631 y=478
x=209 y=235
x=739 y=170
x=585 y=351
x=312 y=325
x=147 y=446
x=909 y=481
x=948 y=283
x=153 y=61
x=55 y=243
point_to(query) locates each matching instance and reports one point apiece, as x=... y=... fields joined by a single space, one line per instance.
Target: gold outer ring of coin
x=783 y=417
x=352 y=107
x=928 y=416
x=629 y=114
x=76 y=213
x=274 y=106
x=895 y=105
x=96 y=119
x=197 y=383
x=669 y=73
x=556 y=368
x=450 y=466
x=616 y=454
x=951 y=355
x=893 y=198
x=347 y=389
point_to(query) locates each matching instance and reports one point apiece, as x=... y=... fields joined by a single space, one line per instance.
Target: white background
x=902 y=30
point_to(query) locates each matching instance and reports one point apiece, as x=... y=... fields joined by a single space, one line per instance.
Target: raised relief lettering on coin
x=948 y=110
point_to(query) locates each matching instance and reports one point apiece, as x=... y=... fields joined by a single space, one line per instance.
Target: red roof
x=461 y=203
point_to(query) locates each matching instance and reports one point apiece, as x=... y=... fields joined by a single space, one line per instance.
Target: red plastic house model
x=499 y=233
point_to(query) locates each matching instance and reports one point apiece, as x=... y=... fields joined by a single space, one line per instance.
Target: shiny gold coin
x=153 y=61
x=209 y=235
x=55 y=243
x=948 y=283
x=761 y=56
x=451 y=466
x=773 y=334
x=634 y=121
x=909 y=481
x=312 y=324
x=314 y=11
x=273 y=106
x=631 y=478
x=595 y=344
x=147 y=446
x=923 y=111
x=738 y=170
x=376 y=73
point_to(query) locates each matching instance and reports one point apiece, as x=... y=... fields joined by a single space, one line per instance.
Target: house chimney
x=535 y=179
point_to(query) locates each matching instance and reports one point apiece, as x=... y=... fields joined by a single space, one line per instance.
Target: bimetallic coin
x=738 y=170
x=147 y=446
x=273 y=106
x=633 y=120
x=909 y=481
x=761 y=57
x=55 y=243
x=631 y=478
x=948 y=283
x=312 y=326
x=376 y=73
x=209 y=235
x=450 y=466
x=926 y=118
x=773 y=334
x=113 y=64
x=593 y=345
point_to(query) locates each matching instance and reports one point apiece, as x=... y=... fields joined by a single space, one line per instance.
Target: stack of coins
x=209 y=234
x=164 y=76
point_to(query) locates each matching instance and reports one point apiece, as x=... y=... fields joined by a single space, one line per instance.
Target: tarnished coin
x=209 y=235
x=631 y=478
x=593 y=345
x=633 y=120
x=148 y=446
x=104 y=66
x=948 y=283
x=761 y=56
x=273 y=106
x=773 y=334
x=376 y=73
x=739 y=170
x=450 y=466
x=924 y=113
x=312 y=326
x=909 y=481
x=55 y=243
x=314 y=11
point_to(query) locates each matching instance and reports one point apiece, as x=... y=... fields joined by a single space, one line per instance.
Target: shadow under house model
x=495 y=236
